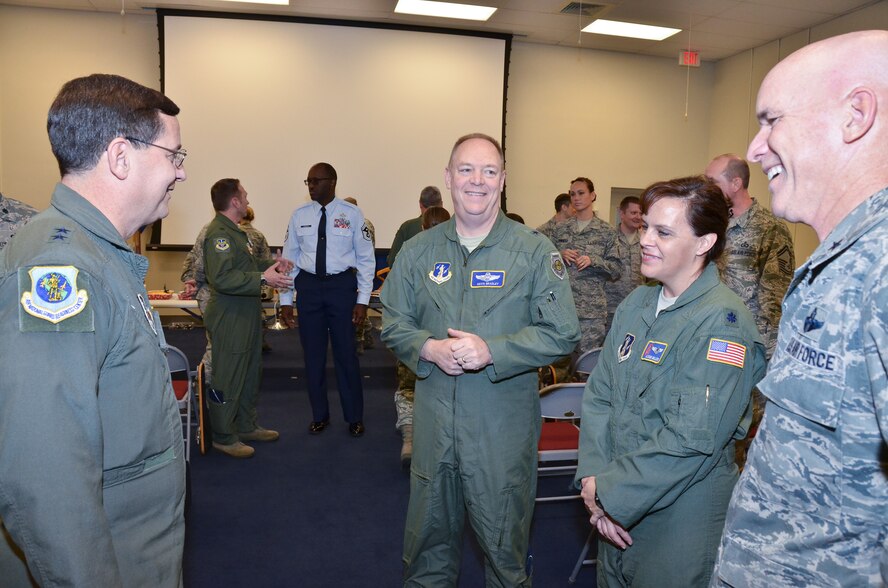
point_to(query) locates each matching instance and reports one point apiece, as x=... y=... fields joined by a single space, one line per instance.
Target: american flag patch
x=727 y=352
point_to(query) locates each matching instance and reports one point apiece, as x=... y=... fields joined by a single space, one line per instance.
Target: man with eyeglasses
x=92 y=473
x=331 y=247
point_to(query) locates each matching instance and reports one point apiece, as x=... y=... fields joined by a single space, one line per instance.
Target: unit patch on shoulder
x=441 y=272
x=728 y=352
x=654 y=351
x=222 y=244
x=50 y=293
x=488 y=279
x=557 y=265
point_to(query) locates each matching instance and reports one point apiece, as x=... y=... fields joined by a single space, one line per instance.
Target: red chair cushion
x=180 y=388
x=559 y=435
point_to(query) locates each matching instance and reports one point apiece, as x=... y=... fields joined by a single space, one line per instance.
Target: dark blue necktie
x=321 y=257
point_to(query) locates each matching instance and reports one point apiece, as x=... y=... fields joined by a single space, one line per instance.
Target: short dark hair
x=433 y=216
x=430 y=196
x=588 y=182
x=328 y=169
x=90 y=112
x=625 y=202
x=561 y=201
x=484 y=137
x=515 y=217
x=705 y=208
x=222 y=192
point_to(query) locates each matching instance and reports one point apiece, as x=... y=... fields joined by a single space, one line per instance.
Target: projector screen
x=263 y=100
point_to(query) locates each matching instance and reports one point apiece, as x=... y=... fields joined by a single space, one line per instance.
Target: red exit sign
x=689 y=58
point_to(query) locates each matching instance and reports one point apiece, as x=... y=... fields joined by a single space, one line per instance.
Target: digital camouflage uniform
x=233 y=275
x=661 y=412
x=548 y=227
x=598 y=241
x=92 y=468
x=630 y=277
x=757 y=265
x=811 y=507
x=13 y=216
x=476 y=434
x=193 y=269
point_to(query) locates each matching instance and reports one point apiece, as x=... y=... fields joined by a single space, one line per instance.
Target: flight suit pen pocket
x=551 y=310
x=695 y=417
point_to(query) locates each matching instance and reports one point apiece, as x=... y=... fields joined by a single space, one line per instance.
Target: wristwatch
x=263 y=282
x=597 y=501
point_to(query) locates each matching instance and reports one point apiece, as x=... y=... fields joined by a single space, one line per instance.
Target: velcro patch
x=222 y=244
x=728 y=352
x=488 y=279
x=54 y=298
x=557 y=265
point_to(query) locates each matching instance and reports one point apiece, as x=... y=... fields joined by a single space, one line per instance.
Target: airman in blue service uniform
x=811 y=508
x=474 y=306
x=92 y=469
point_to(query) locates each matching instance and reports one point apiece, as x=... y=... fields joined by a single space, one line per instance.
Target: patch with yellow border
x=53 y=295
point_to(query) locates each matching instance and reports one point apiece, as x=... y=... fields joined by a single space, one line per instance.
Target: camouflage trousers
x=404 y=396
x=208 y=354
x=364 y=336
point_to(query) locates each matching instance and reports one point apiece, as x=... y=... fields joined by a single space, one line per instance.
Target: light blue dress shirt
x=349 y=244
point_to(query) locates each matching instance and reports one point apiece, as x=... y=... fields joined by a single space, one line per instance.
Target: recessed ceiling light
x=628 y=29
x=444 y=9
x=279 y=2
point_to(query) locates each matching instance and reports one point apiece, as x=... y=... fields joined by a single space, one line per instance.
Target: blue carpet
x=329 y=510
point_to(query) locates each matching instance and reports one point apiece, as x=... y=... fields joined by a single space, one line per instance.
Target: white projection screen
x=262 y=100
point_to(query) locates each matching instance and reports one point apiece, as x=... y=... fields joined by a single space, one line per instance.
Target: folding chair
x=560 y=407
x=182 y=376
x=586 y=362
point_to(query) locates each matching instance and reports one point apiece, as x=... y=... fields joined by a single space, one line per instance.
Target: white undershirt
x=664 y=302
x=471 y=243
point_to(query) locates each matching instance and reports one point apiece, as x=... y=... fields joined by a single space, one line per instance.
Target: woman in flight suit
x=668 y=399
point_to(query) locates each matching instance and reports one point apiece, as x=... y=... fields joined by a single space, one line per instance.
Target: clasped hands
x=607 y=527
x=277 y=275
x=574 y=257
x=461 y=352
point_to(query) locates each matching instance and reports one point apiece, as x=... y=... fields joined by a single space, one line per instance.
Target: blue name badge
x=653 y=351
x=488 y=278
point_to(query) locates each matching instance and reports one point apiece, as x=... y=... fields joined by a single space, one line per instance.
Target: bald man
x=810 y=508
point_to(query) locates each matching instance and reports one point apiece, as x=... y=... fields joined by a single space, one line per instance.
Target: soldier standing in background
x=13 y=216
x=630 y=251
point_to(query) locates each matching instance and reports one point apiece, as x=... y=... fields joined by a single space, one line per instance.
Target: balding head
x=823 y=113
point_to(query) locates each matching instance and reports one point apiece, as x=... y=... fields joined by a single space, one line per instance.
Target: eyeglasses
x=178 y=156
x=310 y=181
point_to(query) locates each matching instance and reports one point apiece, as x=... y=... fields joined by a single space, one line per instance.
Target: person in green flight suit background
x=236 y=278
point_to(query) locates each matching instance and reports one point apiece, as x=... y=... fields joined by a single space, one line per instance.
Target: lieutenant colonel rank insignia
x=557 y=265
x=488 y=279
x=653 y=351
x=54 y=296
x=724 y=351
x=441 y=272
x=222 y=244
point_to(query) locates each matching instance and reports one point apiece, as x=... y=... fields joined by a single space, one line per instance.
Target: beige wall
x=615 y=117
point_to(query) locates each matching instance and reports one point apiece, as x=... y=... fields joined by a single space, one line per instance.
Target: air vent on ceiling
x=589 y=9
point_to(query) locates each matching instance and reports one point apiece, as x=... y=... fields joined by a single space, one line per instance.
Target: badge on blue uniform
x=53 y=295
x=625 y=348
x=222 y=244
x=441 y=272
x=368 y=236
x=488 y=279
x=654 y=351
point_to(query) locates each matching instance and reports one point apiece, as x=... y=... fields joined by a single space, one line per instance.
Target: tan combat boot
x=236 y=449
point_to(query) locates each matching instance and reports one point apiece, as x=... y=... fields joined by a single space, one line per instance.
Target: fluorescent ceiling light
x=628 y=29
x=279 y=2
x=444 y=9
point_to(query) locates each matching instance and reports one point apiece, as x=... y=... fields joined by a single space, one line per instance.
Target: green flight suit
x=232 y=320
x=92 y=469
x=475 y=435
x=661 y=412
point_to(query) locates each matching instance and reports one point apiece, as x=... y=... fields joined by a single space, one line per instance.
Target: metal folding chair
x=182 y=378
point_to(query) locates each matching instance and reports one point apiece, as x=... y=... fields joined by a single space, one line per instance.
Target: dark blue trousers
x=325 y=306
